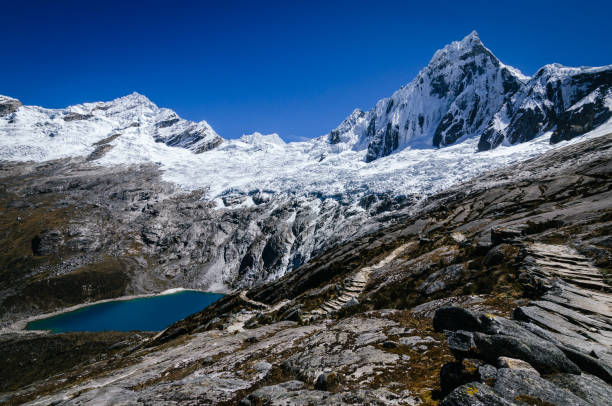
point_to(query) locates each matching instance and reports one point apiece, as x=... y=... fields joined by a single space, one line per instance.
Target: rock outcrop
x=8 y=105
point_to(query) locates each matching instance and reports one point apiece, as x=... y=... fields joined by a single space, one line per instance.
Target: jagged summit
x=464 y=92
x=8 y=105
x=467 y=44
x=451 y=98
x=33 y=132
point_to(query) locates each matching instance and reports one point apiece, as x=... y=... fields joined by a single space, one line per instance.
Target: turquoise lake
x=153 y=313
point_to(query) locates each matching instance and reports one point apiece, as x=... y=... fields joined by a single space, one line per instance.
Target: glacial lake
x=152 y=313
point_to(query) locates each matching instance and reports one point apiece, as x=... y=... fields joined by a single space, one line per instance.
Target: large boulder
x=529 y=388
x=474 y=394
x=454 y=318
x=543 y=356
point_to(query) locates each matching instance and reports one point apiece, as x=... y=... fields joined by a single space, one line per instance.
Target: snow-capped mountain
x=464 y=100
x=262 y=140
x=568 y=101
x=53 y=133
x=452 y=98
x=466 y=92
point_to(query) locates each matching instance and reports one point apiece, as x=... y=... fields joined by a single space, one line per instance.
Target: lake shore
x=20 y=326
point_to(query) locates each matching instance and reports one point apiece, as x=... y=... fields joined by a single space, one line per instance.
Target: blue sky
x=292 y=67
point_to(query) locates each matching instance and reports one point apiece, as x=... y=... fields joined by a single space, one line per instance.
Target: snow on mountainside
x=36 y=133
x=466 y=92
x=452 y=98
x=464 y=100
x=262 y=139
x=570 y=101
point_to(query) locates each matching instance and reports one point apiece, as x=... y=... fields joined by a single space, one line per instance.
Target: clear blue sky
x=292 y=67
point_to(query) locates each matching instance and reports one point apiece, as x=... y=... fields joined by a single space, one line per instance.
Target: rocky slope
x=495 y=292
x=75 y=232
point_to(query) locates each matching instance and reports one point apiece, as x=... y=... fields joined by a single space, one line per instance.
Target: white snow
x=256 y=162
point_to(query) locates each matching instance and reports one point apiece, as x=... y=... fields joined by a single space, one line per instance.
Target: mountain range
x=219 y=214
x=449 y=246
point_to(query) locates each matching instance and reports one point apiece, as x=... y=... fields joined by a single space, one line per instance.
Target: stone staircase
x=575 y=308
x=565 y=263
x=351 y=289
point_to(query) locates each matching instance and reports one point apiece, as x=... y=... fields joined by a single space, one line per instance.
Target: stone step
x=593 y=272
x=573 y=315
x=575 y=268
x=575 y=299
x=568 y=260
x=569 y=274
x=357 y=283
x=326 y=308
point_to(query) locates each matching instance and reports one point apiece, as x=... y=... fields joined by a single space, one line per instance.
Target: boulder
x=528 y=388
x=454 y=318
x=543 y=356
x=515 y=364
x=474 y=394
x=587 y=387
x=589 y=364
x=461 y=343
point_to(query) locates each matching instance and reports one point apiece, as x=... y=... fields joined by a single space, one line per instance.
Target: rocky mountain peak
x=134 y=99
x=452 y=98
x=8 y=105
x=469 y=47
x=466 y=91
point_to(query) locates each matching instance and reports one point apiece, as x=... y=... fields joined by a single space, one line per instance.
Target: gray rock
x=498 y=254
x=526 y=387
x=515 y=364
x=506 y=234
x=456 y=318
x=587 y=387
x=47 y=243
x=461 y=343
x=544 y=357
x=589 y=364
x=416 y=340
x=474 y=394
x=488 y=373
x=441 y=279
